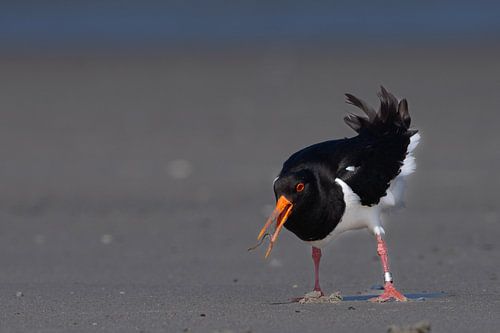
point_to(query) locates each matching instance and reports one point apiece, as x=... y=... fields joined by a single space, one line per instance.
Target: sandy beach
x=132 y=187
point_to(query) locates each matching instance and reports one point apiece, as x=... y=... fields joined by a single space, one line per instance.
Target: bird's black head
x=299 y=187
x=305 y=203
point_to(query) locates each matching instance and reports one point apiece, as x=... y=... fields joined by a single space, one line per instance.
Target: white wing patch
x=350 y=168
x=394 y=196
x=409 y=163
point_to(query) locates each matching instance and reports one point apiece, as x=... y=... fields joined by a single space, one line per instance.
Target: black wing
x=374 y=157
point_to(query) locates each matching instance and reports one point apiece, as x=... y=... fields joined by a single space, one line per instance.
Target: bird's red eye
x=300 y=187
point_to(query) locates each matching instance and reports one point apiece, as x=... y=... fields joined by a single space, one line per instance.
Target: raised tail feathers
x=393 y=117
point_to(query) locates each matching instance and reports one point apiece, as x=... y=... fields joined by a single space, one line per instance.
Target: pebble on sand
x=106 y=239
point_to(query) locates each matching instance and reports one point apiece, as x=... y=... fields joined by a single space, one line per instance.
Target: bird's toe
x=390 y=294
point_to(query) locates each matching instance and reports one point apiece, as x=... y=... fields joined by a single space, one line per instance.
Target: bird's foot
x=390 y=294
x=317 y=296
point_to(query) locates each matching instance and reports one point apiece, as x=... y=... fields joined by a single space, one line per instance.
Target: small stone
x=106 y=239
x=94 y=324
x=122 y=293
x=202 y=315
x=351 y=308
x=19 y=294
x=295 y=286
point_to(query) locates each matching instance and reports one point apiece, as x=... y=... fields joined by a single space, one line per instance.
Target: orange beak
x=280 y=214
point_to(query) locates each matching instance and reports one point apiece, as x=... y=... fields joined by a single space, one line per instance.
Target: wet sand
x=133 y=186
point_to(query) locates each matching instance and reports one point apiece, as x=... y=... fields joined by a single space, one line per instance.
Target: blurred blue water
x=139 y=24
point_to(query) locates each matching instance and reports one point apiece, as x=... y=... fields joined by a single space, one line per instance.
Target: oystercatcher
x=334 y=186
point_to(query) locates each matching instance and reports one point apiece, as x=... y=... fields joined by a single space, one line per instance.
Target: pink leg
x=316 y=255
x=317 y=293
x=389 y=291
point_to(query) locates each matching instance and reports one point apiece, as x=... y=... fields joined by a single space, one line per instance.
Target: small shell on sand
x=315 y=297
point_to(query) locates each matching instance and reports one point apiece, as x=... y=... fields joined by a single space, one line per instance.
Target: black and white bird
x=334 y=186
